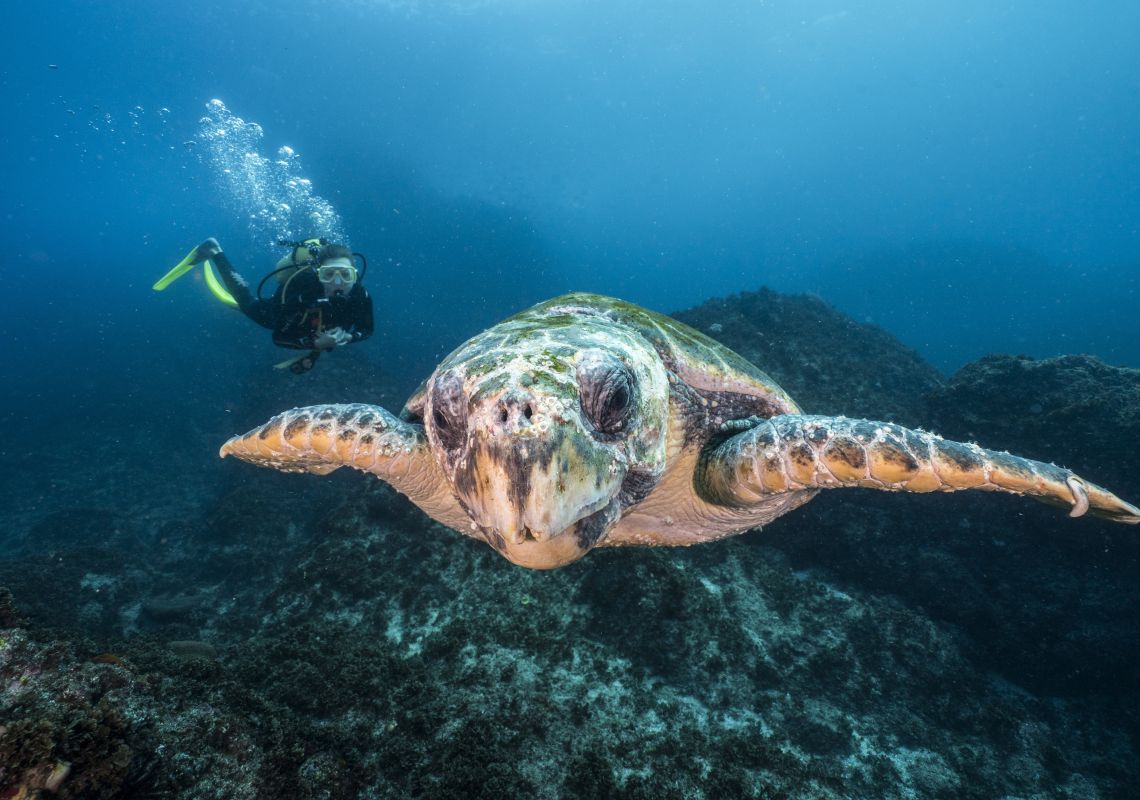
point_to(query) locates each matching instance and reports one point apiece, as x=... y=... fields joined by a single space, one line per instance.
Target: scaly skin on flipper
x=320 y=439
x=794 y=452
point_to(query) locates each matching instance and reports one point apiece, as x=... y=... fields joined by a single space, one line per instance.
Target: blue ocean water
x=965 y=175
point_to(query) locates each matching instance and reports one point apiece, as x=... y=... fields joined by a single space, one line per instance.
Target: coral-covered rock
x=58 y=732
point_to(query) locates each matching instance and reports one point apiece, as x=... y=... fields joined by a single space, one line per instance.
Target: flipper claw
x=1080 y=496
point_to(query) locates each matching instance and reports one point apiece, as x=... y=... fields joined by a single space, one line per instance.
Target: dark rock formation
x=1074 y=410
x=827 y=362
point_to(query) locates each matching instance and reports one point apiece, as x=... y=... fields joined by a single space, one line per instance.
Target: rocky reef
x=320 y=638
x=828 y=362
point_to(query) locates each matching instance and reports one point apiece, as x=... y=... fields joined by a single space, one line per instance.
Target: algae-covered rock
x=58 y=732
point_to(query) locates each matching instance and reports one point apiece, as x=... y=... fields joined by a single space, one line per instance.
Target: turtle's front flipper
x=794 y=452
x=320 y=439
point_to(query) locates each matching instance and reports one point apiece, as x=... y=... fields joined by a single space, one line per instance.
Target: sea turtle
x=588 y=422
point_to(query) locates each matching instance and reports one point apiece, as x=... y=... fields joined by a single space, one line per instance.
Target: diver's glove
x=207 y=249
x=333 y=337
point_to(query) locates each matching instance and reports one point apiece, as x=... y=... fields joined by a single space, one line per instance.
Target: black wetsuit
x=297 y=318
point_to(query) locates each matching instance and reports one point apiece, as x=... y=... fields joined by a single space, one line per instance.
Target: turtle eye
x=607 y=392
x=448 y=416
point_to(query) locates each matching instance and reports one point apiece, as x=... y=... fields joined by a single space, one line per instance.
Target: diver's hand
x=207 y=249
x=331 y=338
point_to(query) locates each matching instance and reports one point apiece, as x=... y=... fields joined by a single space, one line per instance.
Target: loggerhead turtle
x=588 y=422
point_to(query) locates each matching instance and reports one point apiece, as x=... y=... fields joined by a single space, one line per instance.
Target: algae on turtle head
x=620 y=426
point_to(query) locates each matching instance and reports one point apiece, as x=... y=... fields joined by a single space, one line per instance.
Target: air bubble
x=278 y=202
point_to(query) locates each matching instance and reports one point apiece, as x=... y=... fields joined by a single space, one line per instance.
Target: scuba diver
x=319 y=303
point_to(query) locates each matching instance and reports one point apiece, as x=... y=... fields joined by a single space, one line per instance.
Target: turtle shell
x=700 y=361
x=713 y=371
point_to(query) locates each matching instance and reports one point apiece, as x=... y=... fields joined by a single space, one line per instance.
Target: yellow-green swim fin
x=216 y=287
x=180 y=269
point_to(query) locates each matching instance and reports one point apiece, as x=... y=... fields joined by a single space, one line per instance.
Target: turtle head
x=547 y=432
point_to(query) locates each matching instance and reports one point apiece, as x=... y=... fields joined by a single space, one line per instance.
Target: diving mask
x=337 y=271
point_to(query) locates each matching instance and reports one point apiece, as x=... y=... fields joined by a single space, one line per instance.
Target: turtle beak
x=539 y=487
x=526 y=549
